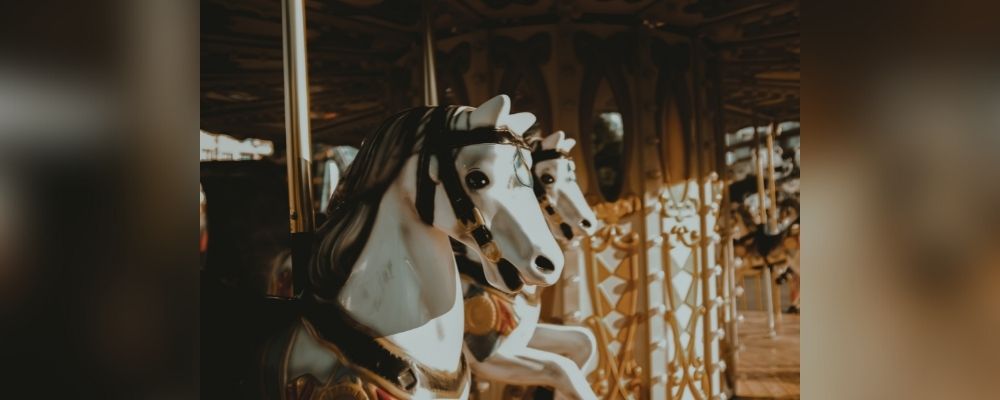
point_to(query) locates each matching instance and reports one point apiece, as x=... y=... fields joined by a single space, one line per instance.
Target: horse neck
x=405 y=276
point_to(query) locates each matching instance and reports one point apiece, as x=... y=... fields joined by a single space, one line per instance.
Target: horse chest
x=498 y=323
x=527 y=314
x=438 y=342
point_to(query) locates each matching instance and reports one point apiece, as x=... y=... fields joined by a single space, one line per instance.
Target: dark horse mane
x=355 y=203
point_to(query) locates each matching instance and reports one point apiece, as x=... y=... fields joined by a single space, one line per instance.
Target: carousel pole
x=706 y=265
x=766 y=270
x=729 y=312
x=772 y=216
x=759 y=171
x=297 y=138
x=430 y=82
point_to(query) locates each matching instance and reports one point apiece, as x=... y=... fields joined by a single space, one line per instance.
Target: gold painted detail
x=343 y=391
x=688 y=373
x=445 y=384
x=307 y=387
x=612 y=213
x=490 y=311
x=480 y=315
x=489 y=249
x=618 y=374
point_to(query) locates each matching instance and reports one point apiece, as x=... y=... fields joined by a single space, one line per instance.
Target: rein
x=441 y=142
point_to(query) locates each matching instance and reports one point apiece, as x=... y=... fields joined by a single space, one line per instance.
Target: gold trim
x=489 y=249
x=480 y=315
x=625 y=373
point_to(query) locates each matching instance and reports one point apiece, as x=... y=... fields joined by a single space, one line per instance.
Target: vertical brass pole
x=298 y=145
x=768 y=299
x=766 y=272
x=772 y=218
x=430 y=81
x=759 y=171
x=729 y=312
x=704 y=269
x=734 y=312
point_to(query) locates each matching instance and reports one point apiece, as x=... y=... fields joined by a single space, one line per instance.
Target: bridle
x=441 y=142
x=543 y=198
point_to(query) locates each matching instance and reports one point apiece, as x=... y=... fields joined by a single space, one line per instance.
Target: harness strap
x=369 y=357
x=425 y=187
x=548 y=154
x=357 y=344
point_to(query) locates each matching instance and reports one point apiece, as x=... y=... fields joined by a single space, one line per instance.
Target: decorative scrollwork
x=690 y=300
x=692 y=238
x=618 y=374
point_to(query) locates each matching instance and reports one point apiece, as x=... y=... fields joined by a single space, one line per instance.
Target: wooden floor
x=768 y=368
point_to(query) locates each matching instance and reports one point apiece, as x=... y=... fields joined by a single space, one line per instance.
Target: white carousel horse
x=756 y=246
x=504 y=340
x=382 y=310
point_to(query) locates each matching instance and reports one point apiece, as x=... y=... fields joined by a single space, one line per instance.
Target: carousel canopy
x=362 y=54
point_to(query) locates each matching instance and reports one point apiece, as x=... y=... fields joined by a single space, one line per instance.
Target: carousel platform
x=768 y=368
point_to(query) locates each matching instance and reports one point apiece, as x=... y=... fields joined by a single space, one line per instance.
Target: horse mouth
x=510 y=276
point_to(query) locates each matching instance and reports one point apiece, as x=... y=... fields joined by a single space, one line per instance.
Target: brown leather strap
x=357 y=343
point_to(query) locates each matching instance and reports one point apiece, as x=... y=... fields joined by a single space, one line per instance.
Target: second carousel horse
x=382 y=314
x=503 y=336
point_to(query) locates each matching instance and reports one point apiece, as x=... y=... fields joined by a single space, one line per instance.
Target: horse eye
x=548 y=179
x=476 y=180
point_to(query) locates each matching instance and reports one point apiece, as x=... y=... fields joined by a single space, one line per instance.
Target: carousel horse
x=382 y=311
x=503 y=338
x=754 y=242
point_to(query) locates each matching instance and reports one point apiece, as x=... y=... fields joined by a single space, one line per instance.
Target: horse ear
x=520 y=122
x=566 y=145
x=552 y=141
x=490 y=112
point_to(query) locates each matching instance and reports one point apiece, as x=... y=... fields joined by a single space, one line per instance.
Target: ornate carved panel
x=692 y=296
x=613 y=276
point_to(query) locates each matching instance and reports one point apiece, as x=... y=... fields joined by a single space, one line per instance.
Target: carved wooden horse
x=382 y=310
x=503 y=338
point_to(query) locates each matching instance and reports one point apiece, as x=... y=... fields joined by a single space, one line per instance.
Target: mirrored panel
x=608 y=138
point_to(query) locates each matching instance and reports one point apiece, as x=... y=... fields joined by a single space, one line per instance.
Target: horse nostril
x=585 y=223
x=566 y=231
x=544 y=264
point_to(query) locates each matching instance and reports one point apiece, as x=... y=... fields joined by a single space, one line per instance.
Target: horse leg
x=535 y=368
x=574 y=342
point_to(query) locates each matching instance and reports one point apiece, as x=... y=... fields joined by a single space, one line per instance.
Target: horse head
x=497 y=178
x=556 y=187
